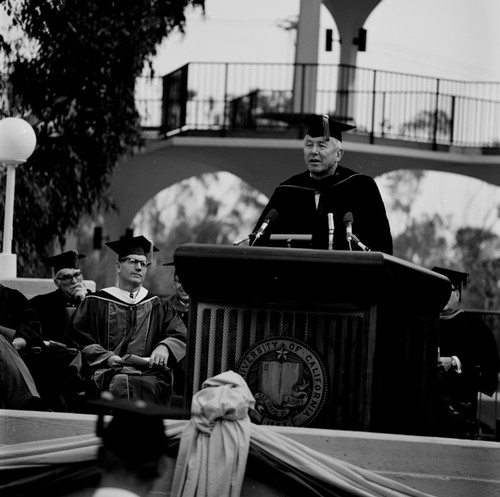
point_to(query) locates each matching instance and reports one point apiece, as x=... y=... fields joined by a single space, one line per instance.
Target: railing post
x=302 y=97
x=374 y=97
x=436 y=115
x=226 y=103
x=452 y=118
x=174 y=100
x=382 y=131
x=303 y=89
x=184 y=93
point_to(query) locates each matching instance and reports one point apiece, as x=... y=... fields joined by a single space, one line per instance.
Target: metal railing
x=224 y=97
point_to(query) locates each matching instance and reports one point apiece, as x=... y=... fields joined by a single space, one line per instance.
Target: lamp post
x=17 y=143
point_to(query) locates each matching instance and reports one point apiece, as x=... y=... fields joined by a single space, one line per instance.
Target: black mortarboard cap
x=136 y=432
x=457 y=278
x=67 y=259
x=137 y=245
x=324 y=125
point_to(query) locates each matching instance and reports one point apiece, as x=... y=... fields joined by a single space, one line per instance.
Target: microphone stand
x=348 y=220
x=255 y=238
x=330 y=231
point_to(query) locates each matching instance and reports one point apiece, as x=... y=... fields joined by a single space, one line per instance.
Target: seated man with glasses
x=129 y=338
x=55 y=310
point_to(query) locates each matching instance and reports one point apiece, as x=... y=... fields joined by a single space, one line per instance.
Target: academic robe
x=345 y=191
x=467 y=336
x=17 y=313
x=107 y=323
x=54 y=310
x=17 y=386
x=181 y=308
x=179 y=370
x=50 y=368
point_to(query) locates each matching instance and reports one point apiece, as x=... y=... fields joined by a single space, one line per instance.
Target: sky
x=454 y=39
x=450 y=39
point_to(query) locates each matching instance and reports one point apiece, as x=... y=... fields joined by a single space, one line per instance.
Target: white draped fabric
x=214 y=444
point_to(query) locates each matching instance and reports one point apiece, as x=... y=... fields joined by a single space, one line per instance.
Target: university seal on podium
x=287 y=379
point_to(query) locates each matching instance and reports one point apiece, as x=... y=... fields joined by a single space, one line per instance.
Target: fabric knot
x=223 y=397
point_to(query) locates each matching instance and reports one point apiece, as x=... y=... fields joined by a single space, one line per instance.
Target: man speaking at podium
x=340 y=208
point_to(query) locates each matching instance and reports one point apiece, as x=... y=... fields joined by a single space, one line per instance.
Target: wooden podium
x=329 y=339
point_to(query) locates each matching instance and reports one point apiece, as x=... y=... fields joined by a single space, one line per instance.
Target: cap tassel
x=326 y=127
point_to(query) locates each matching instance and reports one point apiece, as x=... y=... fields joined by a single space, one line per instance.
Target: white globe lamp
x=17 y=143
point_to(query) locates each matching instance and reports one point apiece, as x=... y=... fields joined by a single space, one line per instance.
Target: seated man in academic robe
x=19 y=334
x=55 y=310
x=129 y=338
x=468 y=360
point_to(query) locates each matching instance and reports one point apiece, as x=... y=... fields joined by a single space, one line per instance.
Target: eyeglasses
x=134 y=262
x=69 y=277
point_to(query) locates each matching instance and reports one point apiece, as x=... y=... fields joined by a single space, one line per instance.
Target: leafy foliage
x=404 y=186
x=423 y=242
x=73 y=78
x=430 y=240
x=427 y=123
x=478 y=251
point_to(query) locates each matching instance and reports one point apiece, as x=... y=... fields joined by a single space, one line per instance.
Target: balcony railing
x=230 y=97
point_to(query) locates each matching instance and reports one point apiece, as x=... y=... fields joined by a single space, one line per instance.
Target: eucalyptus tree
x=70 y=69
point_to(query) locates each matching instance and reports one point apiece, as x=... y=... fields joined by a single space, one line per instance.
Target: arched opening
x=216 y=207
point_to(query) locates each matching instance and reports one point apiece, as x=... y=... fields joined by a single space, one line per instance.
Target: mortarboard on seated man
x=134 y=443
x=68 y=259
x=129 y=338
x=133 y=245
x=468 y=356
x=316 y=201
x=458 y=279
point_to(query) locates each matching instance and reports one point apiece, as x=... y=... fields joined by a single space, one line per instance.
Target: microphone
x=348 y=220
x=240 y=241
x=331 y=229
x=360 y=244
x=271 y=217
